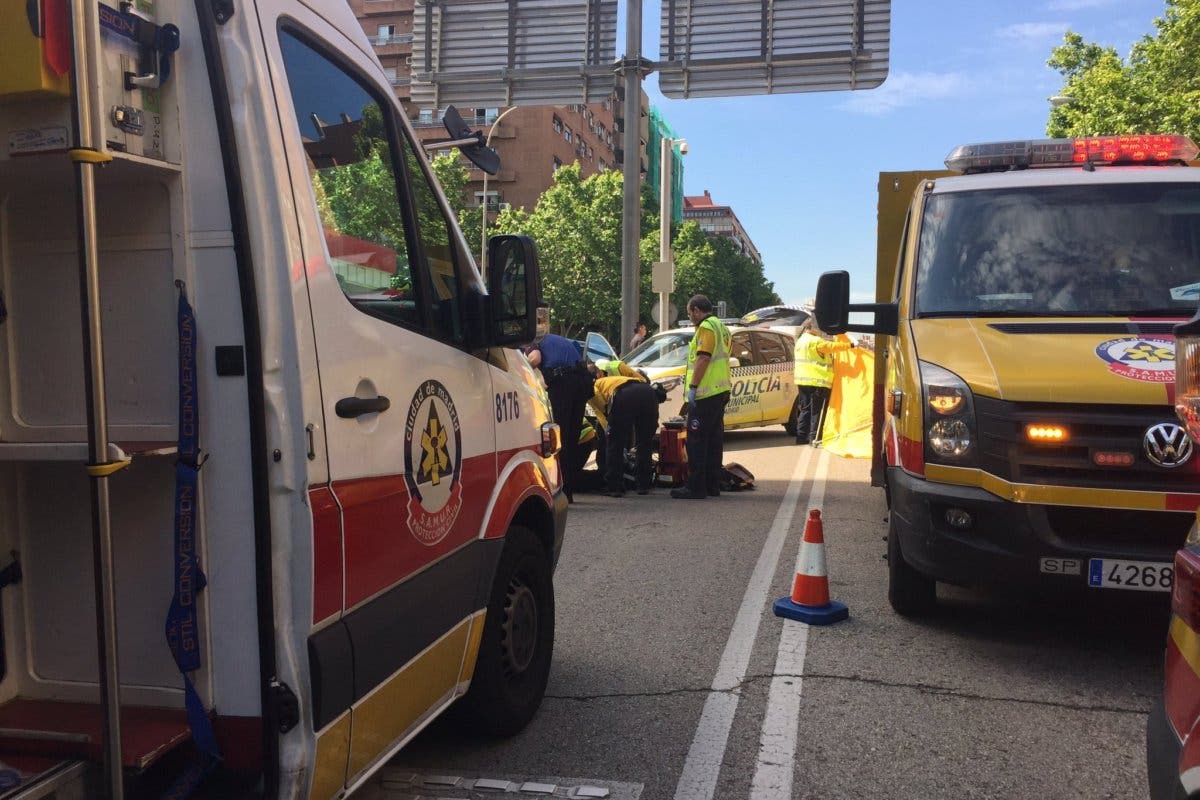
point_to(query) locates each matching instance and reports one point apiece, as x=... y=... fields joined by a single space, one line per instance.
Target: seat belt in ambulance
x=182 y=628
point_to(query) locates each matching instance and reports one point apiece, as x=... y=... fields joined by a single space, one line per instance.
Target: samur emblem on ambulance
x=1150 y=359
x=432 y=463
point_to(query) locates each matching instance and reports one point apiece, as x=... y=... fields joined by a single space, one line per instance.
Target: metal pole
x=89 y=143
x=631 y=215
x=665 y=206
x=483 y=208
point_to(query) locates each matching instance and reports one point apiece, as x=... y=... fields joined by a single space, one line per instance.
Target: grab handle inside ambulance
x=351 y=407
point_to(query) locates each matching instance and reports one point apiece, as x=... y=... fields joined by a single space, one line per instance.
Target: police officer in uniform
x=569 y=385
x=708 y=386
x=814 y=379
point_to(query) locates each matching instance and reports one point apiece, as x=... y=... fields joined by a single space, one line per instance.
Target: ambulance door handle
x=351 y=407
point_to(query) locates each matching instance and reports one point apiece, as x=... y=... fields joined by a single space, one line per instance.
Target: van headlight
x=949 y=416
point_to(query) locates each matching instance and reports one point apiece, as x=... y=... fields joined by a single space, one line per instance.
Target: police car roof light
x=1133 y=149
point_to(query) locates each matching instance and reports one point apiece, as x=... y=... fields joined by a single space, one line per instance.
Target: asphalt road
x=673 y=679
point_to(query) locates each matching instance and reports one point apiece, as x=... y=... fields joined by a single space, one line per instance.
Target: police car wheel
x=793 y=418
x=910 y=593
x=518 y=639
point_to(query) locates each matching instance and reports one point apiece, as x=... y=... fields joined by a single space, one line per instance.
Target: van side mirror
x=833 y=308
x=514 y=291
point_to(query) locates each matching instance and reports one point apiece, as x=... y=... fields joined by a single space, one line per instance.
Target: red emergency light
x=1132 y=149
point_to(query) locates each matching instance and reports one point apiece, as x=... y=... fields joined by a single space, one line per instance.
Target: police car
x=761 y=371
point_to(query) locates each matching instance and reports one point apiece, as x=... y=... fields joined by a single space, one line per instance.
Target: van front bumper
x=1006 y=542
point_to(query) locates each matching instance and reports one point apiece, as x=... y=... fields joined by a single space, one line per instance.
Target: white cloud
x=903 y=89
x=1034 y=30
x=1079 y=5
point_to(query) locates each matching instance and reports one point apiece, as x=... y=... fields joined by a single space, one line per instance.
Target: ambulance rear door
x=408 y=416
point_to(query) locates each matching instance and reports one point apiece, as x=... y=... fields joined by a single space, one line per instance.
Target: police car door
x=407 y=411
x=745 y=404
x=778 y=387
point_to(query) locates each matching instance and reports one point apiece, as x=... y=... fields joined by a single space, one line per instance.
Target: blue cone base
x=813 y=615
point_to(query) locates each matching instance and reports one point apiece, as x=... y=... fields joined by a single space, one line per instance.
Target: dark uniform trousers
x=633 y=410
x=813 y=400
x=569 y=389
x=706 y=444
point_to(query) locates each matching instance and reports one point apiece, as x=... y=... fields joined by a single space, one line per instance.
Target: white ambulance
x=288 y=492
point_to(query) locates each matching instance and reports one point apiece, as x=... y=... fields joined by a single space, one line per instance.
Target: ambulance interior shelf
x=78 y=451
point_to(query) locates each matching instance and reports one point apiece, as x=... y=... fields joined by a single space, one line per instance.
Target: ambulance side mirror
x=833 y=308
x=514 y=291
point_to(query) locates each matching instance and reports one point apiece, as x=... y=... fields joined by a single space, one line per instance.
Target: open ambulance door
x=408 y=412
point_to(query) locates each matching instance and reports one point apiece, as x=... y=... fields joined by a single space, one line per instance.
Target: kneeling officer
x=625 y=404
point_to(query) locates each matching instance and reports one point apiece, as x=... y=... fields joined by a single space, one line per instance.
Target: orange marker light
x=1046 y=434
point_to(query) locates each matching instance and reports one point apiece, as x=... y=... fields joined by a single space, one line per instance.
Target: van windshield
x=1095 y=250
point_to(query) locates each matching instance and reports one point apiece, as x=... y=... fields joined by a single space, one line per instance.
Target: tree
x=1156 y=91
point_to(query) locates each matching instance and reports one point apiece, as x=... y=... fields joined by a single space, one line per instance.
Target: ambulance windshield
x=1095 y=250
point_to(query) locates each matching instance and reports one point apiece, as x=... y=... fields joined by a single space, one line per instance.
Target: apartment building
x=719 y=221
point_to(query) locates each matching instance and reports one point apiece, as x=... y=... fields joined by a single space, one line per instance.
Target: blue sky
x=800 y=170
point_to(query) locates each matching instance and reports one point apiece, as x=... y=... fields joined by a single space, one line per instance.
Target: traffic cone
x=810 y=591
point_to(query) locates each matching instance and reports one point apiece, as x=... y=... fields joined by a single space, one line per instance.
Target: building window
x=557 y=124
x=567 y=132
x=386 y=31
x=425 y=115
x=493 y=200
x=603 y=165
x=557 y=162
x=590 y=153
x=390 y=72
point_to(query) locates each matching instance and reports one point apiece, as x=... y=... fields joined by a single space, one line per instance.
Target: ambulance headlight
x=949 y=416
x=551 y=439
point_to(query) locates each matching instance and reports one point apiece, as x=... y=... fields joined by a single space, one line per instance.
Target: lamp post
x=483 y=206
x=665 y=208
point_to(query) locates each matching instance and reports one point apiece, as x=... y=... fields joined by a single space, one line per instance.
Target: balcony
x=388 y=39
x=475 y=122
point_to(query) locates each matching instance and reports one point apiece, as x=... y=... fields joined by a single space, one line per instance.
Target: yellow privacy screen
x=34 y=36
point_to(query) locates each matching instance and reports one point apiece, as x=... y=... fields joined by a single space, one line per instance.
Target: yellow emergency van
x=1024 y=421
x=290 y=490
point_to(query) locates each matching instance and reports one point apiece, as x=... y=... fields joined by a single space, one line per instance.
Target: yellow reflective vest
x=814 y=367
x=716 y=377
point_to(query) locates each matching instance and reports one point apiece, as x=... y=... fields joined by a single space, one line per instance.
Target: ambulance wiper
x=1165 y=311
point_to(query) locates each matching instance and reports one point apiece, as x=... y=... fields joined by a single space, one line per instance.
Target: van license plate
x=1142 y=576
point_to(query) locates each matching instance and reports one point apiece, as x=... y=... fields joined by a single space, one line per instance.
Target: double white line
x=777 y=745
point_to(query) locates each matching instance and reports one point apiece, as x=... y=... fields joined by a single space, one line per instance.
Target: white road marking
x=698 y=780
x=777 y=745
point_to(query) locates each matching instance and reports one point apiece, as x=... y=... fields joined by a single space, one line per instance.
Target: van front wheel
x=513 y=666
x=910 y=593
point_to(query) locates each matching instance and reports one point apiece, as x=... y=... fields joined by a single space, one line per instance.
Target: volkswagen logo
x=1167 y=445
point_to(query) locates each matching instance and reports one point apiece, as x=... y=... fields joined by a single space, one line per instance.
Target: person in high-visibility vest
x=814 y=379
x=627 y=407
x=708 y=385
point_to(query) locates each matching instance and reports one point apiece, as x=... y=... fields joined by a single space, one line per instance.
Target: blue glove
x=691 y=397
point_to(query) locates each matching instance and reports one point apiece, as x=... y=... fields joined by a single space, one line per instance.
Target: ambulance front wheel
x=910 y=593
x=518 y=640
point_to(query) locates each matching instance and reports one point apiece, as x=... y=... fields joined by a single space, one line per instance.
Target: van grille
x=1004 y=452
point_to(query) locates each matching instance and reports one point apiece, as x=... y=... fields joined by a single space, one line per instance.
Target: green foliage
x=1156 y=91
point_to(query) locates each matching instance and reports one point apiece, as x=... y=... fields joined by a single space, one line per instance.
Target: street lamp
x=666 y=281
x=1060 y=100
x=483 y=207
